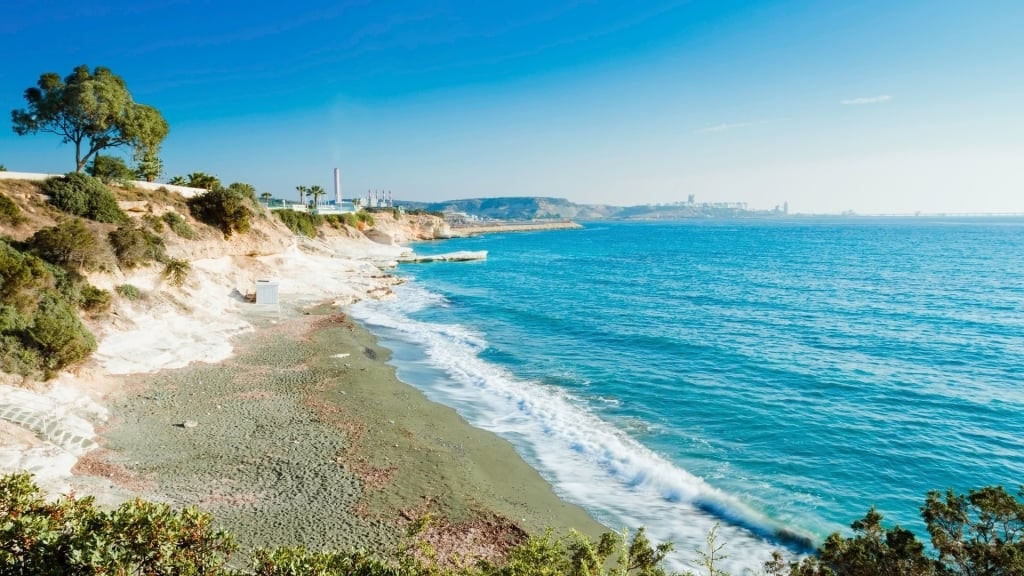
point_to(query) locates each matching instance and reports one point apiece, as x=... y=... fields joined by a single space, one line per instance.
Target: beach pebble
x=189 y=424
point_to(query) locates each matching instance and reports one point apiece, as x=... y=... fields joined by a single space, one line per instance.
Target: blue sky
x=877 y=107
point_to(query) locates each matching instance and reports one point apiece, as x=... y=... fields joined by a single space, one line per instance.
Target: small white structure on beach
x=266 y=292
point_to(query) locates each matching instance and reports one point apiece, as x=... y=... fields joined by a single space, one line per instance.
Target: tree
x=981 y=532
x=148 y=166
x=109 y=169
x=91 y=109
x=316 y=192
x=302 y=193
x=178 y=181
x=266 y=196
x=875 y=549
x=203 y=180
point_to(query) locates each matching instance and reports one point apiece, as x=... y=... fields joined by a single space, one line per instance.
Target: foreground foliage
x=977 y=534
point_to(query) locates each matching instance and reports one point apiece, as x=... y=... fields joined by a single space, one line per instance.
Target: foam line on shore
x=588 y=461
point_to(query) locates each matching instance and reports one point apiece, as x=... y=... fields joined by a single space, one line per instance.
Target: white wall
x=185 y=191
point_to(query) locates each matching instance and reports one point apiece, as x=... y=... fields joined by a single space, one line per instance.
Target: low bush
x=129 y=291
x=40 y=331
x=22 y=277
x=58 y=333
x=228 y=210
x=154 y=222
x=179 y=225
x=72 y=536
x=176 y=271
x=9 y=212
x=300 y=222
x=136 y=246
x=359 y=220
x=94 y=300
x=82 y=195
x=69 y=244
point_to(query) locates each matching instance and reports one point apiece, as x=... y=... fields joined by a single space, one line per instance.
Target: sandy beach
x=306 y=437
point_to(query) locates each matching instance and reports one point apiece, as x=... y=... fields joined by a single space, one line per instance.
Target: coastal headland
x=285 y=421
x=491 y=227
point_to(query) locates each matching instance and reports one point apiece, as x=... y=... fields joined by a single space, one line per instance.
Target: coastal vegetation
x=976 y=534
x=228 y=209
x=110 y=170
x=92 y=110
x=178 y=225
x=82 y=195
x=9 y=212
x=40 y=332
x=307 y=224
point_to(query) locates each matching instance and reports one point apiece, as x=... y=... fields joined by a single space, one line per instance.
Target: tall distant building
x=785 y=207
x=337 y=186
x=691 y=198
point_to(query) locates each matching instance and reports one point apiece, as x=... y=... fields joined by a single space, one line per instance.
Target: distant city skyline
x=872 y=107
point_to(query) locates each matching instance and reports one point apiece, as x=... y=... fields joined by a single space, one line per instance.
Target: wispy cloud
x=866 y=100
x=723 y=127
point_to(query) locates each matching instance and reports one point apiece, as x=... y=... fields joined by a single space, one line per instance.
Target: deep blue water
x=764 y=375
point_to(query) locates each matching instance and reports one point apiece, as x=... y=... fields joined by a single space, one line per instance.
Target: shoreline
x=305 y=436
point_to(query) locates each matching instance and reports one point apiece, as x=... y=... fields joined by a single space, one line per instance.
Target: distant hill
x=539 y=207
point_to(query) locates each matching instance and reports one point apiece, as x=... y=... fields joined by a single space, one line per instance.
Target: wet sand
x=306 y=437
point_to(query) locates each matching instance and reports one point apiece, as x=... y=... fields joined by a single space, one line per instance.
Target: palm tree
x=302 y=193
x=266 y=196
x=203 y=180
x=177 y=181
x=316 y=192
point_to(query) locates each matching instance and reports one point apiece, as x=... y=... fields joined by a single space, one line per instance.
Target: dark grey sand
x=307 y=437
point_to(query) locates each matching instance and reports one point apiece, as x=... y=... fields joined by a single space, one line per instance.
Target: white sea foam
x=587 y=460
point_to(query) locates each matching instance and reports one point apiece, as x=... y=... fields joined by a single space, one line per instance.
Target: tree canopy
x=92 y=110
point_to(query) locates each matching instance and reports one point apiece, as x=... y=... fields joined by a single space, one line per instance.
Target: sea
x=768 y=379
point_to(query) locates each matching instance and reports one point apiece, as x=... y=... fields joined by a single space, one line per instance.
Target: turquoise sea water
x=774 y=377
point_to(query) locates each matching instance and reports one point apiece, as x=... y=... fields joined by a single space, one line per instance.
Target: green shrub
x=300 y=222
x=135 y=246
x=17 y=358
x=83 y=195
x=22 y=277
x=129 y=291
x=94 y=299
x=58 y=333
x=176 y=271
x=154 y=222
x=179 y=225
x=225 y=209
x=9 y=212
x=39 y=329
x=3 y=168
x=110 y=169
x=69 y=244
x=72 y=536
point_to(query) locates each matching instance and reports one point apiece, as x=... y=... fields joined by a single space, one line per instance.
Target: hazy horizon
x=873 y=107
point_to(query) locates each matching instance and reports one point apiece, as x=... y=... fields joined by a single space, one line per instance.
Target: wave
x=588 y=460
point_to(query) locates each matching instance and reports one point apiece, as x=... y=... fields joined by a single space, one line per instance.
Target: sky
x=872 y=106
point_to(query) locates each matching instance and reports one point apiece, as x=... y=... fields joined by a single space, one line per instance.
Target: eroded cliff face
x=388 y=229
